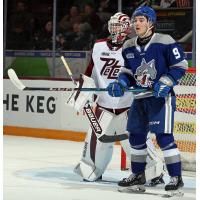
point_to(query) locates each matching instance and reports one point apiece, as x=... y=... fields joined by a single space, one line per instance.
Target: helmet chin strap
x=146 y=33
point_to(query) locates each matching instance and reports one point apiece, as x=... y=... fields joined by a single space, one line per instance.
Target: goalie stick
x=18 y=83
x=68 y=69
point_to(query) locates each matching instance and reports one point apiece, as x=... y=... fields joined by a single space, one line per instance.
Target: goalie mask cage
x=184 y=125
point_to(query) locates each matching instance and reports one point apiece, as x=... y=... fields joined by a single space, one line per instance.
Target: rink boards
x=45 y=114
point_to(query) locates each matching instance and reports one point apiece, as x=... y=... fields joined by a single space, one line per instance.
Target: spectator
x=20 y=27
x=85 y=38
x=68 y=20
x=104 y=6
x=43 y=39
x=82 y=3
x=92 y=18
x=104 y=31
x=104 y=12
x=18 y=38
x=65 y=39
x=80 y=38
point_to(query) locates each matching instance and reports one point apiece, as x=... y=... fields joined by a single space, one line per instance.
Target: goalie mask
x=119 y=27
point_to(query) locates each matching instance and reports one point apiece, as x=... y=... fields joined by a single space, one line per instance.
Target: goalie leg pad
x=117 y=125
x=96 y=155
x=95 y=159
x=106 y=120
x=155 y=165
x=87 y=171
x=126 y=147
x=154 y=169
x=121 y=121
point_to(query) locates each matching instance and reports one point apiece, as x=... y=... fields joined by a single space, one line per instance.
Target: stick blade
x=15 y=80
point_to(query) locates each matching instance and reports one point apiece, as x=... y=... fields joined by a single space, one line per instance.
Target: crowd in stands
x=78 y=25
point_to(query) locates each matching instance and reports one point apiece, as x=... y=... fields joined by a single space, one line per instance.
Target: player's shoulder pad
x=163 y=39
x=129 y=43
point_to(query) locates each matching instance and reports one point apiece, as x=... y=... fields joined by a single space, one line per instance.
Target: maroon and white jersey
x=104 y=68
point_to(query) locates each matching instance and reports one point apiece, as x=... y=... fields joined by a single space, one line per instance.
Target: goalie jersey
x=104 y=67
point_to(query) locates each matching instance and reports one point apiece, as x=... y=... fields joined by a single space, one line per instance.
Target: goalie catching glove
x=78 y=99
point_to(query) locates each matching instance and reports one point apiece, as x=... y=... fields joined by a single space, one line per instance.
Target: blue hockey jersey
x=160 y=56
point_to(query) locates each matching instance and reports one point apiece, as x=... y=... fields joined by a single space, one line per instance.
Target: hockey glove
x=116 y=89
x=163 y=86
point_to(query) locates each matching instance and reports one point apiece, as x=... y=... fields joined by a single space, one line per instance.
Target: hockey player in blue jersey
x=156 y=62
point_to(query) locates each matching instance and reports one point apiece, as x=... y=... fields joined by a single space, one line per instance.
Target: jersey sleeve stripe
x=183 y=65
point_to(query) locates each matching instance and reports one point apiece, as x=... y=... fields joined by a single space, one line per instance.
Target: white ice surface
x=42 y=169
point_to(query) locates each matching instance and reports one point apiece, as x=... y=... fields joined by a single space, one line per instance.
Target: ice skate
x=134 y=183
x=156 y=181
x=174 y=187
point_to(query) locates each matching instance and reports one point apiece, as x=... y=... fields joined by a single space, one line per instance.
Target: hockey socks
x=171 y=153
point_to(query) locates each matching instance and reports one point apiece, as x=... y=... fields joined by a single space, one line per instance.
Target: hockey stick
x=68 y=69
x=16 y=81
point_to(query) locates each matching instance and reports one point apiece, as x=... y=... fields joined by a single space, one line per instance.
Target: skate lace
x=173 y=181
x=129 y=178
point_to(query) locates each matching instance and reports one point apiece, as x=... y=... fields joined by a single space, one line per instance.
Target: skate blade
x=132 y=189
x=156 y=185
x=176 y=193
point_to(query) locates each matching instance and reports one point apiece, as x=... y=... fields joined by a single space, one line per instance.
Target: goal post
x=184 y=124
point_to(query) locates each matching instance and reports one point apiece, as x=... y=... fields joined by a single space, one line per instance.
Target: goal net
x=185 y=123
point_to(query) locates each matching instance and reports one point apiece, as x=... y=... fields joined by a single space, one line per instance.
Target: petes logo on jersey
x=130 y=55
x=110 y=68
x=145 y=73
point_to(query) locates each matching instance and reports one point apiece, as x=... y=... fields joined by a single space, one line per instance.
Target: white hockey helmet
x=119 y=26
